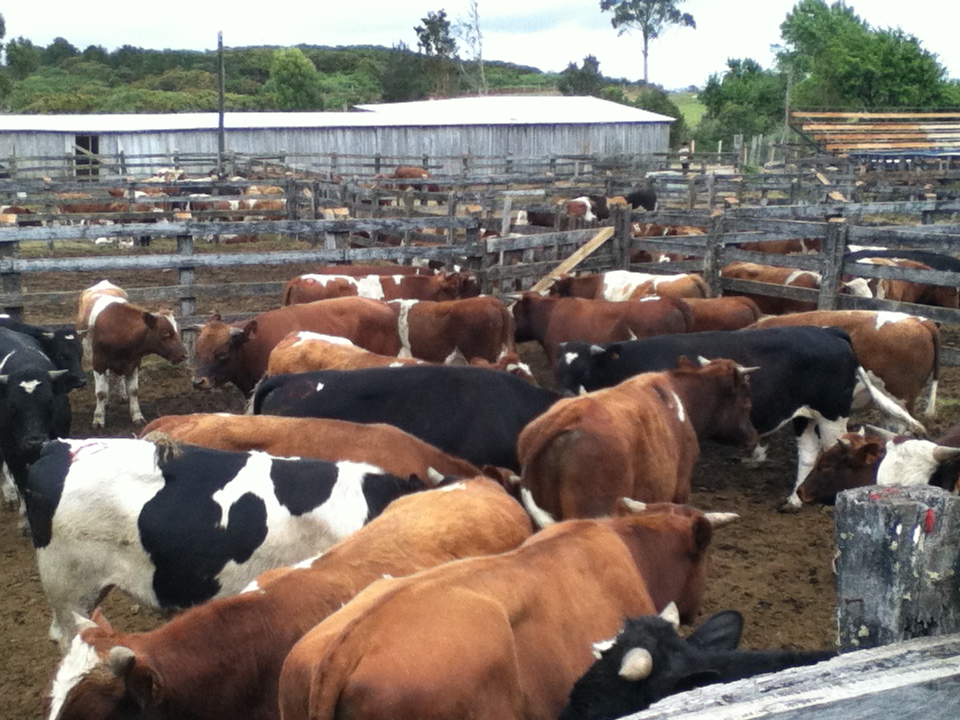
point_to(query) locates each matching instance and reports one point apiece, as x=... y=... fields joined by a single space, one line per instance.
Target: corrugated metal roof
x=490 y=110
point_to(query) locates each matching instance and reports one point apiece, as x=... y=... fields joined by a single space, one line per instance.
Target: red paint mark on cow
x=96 y=446
x=929 y=520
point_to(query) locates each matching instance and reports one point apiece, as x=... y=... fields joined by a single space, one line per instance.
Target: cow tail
x=688 y=319
x=888 y=405
x=931 y=408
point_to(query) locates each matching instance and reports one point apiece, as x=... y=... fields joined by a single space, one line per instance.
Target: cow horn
x=637 y=665
x=671 y=614
x=48 y=335
x=747 y=370
x=844 y=442
x=120 y=660
x=54 y=374
x=944 y=453
x=881 y=432
x=540 y=517
x=4 y=379
x=596 y=350
x=718 y=519
x=702 y=360
x=634 y=505
x=83 y=623
x=234 y=331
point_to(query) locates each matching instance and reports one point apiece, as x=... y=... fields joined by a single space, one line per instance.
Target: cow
x=383 y=446
x=859 y=459
x=498 y=637
x=787 y=277
x=479 y=327
x=589 y=207
x=806 y=374
x=648 y=660
x=947 y=296
x=417 y=175
x=937 y=261
x=62 y=345
x=363 y=270
x=239 y=353
x=471 y=412
x=33 y=405
x=619 y=285
x=175 y=525
x=794 y=246
x=882 y=340
x=322 y=286
x=637 y=439
x=733 y=312
x=303 y=351
x=645 y=198
x=119 y=335
x=554 y=320
x=176 y=672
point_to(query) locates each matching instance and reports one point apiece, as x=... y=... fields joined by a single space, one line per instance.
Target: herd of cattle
x=405 y=524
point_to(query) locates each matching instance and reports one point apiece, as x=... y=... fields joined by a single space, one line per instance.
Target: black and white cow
x=648 y=661
x=471 y=412
x=33 y=402
x=174 y=526
x=806 y=374
x=62 y=345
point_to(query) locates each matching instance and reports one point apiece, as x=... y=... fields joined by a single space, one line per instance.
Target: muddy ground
x=773 y=568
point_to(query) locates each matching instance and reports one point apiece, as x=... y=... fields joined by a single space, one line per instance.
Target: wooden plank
x=575 y=259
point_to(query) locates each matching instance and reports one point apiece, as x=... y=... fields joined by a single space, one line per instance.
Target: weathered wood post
x=831 y=268
x=897 y=564
x=620 y=242
x=712 y=252
x=10 y=280
x=188 y=300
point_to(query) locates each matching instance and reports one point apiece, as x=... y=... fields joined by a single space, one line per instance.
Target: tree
x=650 y=17
x=435 y=40
x=401 y=78
x=469 y=31
x=58 y=51
x=23 y=57
x=294 y=81
x=585 y=80
x=839 y=61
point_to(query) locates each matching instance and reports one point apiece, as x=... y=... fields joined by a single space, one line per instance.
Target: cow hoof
x=97 y=424
x=138 y=420
x=787 y=508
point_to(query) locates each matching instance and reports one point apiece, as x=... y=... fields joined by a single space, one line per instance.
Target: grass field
x=691 y=108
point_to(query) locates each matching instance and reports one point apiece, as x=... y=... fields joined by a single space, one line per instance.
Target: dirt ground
x=772 y=567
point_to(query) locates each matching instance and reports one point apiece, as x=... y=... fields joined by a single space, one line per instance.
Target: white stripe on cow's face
x=80 y=659
x=29 y=386
x=568 y=358
x=319 y=387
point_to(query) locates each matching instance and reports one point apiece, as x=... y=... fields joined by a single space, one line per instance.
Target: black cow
x=33 y=401
x=61 y=345
x=805 y=373
x=176 y=525
x=645 y=198
x=471 y=412
x=649 y=661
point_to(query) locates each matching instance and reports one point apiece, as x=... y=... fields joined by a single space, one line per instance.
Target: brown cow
x=479 y=327
x=909 y=291
x=239 y=353
x=553 y=320
x=118 y=335
x=222 y=659
x=502 y=637
x=883 y=341
x=794 y=246
x=322 y=286
x=617 y=285
x=638 y=439
x=733 y=312
x=383 y=446
x=773 y=275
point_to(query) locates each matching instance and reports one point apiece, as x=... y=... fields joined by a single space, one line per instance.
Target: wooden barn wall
x=522 y=141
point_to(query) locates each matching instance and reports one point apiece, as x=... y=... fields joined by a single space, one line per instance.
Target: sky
x=546 y=34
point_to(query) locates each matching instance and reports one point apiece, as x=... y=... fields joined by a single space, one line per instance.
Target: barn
x=443 y=130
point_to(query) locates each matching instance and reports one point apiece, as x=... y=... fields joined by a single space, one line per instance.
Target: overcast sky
x=547 y=34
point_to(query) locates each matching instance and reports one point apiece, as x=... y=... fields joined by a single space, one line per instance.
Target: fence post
x=831 y=259
x=896 y=562
x=186 y=276
x=11 y=280
x=620 y=242
x=712 y=252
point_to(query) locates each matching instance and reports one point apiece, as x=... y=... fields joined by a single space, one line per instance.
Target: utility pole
x=221 y=140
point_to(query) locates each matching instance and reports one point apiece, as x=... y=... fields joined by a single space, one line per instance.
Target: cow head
x=163 y=337
x=719 y=399
x=217 y=352
x=850 y=463
x=457 y=285
x=30 y=410
x=99 y=677
x=677 y=571
x=579 y=364
x=65 y=351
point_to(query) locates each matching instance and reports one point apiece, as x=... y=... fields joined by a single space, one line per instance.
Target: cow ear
x=718 y=632
x=100 y=619
x=215 y=318
x=868 y=453
x=150 y=319
x=250 y=330
x=143 y=684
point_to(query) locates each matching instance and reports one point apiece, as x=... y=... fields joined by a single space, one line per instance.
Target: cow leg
x=101 y=384
x=132 y=382
x=814 y=434
x=11 y=498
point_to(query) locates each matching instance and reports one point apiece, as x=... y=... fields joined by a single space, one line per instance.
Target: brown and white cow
x=177 y=671
x=303 y=351
x=118 y=335
x=773 y=275
x=732 y=312
x=239 y=353
x=383 y=446
x=502 y=637
x=362 y=270
x=554 y=320
x=901 y=351
x=479 y=327
x=638 y=439
x=321 y=286
x=618 y=285
x=909 y=291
